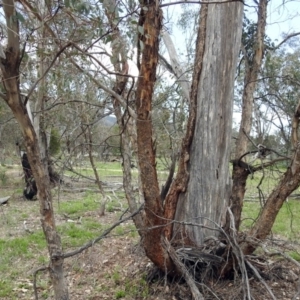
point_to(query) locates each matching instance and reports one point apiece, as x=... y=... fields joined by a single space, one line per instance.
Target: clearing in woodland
x=116 y=267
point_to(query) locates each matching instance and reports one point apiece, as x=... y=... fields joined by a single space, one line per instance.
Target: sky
x=283 y=17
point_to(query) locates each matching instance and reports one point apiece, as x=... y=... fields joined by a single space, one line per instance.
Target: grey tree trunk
x=209 y=186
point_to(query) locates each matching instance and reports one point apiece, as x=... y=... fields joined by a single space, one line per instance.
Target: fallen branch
x=4 y=200
x=181 y=267
x=257 y=275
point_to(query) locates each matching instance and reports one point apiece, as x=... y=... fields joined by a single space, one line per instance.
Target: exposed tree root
x=204 y=270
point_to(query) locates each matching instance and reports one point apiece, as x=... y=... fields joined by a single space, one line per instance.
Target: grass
x=287 y=224
x=22 y=251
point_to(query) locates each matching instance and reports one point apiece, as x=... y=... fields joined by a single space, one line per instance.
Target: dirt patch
x=117 y=268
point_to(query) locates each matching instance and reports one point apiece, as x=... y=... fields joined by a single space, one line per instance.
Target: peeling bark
x=209 y=185
x=150 y=20
x=180 y=183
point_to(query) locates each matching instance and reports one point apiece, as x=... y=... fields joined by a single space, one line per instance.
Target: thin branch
x=285 y=40
x=46 y=71
x=184 y=272
x=34 y=280
x=257 y=275
x=201 y=2
x=102 y=236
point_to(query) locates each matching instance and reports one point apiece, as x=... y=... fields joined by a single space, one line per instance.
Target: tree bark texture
x=150 y=22
x=252 y=69
x=10 y=73
x=180 y=183
x=209 y=185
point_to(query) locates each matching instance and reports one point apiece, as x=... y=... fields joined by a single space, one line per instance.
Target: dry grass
x=115 y=268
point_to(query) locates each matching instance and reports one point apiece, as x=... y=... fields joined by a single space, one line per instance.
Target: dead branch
x=181 y=267
x=34 y=280
x=102 y=236
x=4 y=200
x=287 y=257
x=257 y=275
x=237 y=251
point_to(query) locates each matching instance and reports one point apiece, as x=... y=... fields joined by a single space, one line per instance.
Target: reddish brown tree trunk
x=150 y=26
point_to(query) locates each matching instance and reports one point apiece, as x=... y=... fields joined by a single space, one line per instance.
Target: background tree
x=10 y=73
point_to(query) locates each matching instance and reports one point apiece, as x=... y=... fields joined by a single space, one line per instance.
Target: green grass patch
x=6 y=289
x=287 y=223
x=76 y=207
x=120 y=294
x=295 y=255
x=75 y=235
x=22 y=246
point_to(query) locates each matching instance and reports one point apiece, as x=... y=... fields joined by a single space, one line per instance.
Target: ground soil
x=117 y=268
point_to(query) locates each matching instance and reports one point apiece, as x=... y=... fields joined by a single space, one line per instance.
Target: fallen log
x=4 y=200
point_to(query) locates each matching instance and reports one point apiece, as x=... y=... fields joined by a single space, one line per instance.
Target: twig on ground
x=239 y=255
x=181 y=267
x=257 y=275
x=287 y=257
x=36 y=296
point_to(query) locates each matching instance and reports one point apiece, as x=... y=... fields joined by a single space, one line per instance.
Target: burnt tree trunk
x=10 y=72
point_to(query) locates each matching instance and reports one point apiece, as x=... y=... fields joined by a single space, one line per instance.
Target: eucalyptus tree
x=85 y=72
x=10 y=67
x=278 y=90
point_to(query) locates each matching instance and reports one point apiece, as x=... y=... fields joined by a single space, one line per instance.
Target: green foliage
x=249 y=39
x=54 y=147
x=295 y=255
